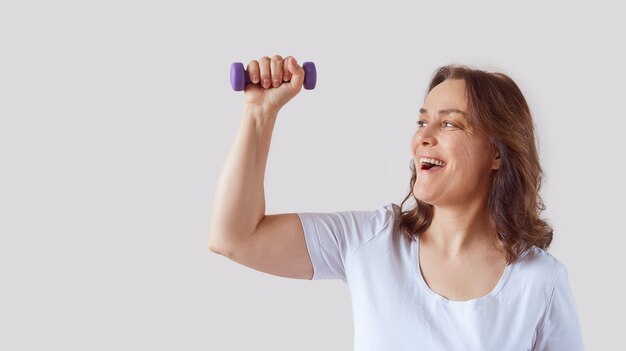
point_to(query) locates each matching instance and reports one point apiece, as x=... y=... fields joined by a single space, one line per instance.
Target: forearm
x=239 y=202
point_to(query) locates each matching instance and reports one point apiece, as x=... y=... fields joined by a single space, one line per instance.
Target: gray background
x=117 y=116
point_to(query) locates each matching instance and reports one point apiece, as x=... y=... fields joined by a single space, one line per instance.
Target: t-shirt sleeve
x=332 y=236
x=560 y=329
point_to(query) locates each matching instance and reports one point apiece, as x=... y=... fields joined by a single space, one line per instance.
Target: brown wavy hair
x=497 y=106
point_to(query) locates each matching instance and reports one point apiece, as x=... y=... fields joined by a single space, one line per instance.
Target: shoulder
x=376 y=218
x=379 y=222
x=386 y=215
x=539 y=269
x=389 y=211
x=379 y=219
x=537 y=258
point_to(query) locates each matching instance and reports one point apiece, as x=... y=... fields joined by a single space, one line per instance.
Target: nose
x=425 y=137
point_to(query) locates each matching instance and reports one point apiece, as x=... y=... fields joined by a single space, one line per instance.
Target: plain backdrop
x=117 y=116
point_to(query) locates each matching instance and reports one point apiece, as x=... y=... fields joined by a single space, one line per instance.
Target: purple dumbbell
x=239 y=76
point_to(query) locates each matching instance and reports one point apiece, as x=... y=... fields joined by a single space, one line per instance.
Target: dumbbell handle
x=239 y=77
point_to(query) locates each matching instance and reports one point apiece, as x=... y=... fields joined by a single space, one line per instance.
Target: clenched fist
x=274 y=81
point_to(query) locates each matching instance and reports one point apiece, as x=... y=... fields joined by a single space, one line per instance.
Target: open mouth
x=428 y=166
x=430 y=163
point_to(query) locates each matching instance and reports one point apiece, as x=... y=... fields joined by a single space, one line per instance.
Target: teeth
x=432 y=161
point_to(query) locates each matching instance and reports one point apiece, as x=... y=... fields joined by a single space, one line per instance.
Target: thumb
x=297 y=74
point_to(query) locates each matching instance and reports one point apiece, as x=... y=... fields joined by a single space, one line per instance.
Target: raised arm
x=239 y=228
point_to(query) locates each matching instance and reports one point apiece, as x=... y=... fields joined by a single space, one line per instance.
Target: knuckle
x=277 y=58
x=264 y=59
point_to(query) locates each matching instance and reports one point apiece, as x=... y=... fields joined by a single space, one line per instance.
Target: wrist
x=260 y=114
x=260 y=109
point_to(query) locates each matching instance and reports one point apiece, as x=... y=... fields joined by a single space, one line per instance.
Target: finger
x=297 y=74
x=253 y=71
x=286 y=73
x=277 y=70
x=264 y=71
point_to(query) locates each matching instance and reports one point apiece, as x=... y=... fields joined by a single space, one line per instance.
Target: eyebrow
x=445 y=111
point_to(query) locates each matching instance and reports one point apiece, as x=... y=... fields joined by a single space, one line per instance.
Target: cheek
x=476 y=160
x=467 y=157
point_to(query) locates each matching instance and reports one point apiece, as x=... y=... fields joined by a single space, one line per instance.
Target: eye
x=446 y=124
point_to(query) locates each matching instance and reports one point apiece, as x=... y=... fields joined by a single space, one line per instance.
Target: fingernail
x=276 y=83
x=255 y=79
x=266 y=83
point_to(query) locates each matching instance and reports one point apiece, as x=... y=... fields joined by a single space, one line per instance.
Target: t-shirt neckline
x=441 y=299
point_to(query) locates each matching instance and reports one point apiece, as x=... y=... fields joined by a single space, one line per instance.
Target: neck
x=459 y=230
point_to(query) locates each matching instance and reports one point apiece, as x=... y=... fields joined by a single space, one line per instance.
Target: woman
x=464 y=269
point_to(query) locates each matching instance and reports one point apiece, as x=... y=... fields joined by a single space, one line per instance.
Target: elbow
x=213 y=246
x=224 y=245
x=217 y=248
x=213 y=249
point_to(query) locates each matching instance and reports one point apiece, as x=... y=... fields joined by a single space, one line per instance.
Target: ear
x=495 y=164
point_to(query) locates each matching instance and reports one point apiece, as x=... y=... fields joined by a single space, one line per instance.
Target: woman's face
x=444 y=133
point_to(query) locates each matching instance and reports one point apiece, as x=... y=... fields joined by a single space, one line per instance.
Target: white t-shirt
x=531 y=307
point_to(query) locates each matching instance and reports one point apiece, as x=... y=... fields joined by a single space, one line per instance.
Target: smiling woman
x=465 y=269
